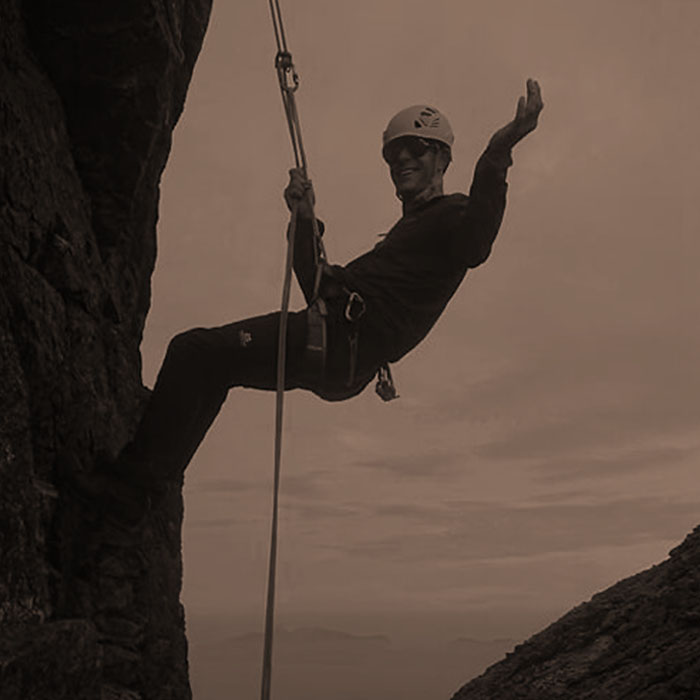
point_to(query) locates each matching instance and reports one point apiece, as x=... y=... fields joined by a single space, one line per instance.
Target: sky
x=545 y=443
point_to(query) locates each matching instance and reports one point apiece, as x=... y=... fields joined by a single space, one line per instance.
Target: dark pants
x=202 y=364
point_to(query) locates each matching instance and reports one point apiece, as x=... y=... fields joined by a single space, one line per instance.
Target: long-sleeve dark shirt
x=408 y=278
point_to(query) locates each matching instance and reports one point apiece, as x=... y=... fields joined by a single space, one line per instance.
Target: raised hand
x=525 y=121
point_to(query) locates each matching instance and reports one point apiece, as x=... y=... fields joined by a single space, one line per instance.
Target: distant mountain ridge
x=313 y=636
x=470 y=641
x=637 y=640
x=318 y=662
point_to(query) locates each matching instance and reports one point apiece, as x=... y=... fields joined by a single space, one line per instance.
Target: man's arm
x=299 y=194
x=487 y=195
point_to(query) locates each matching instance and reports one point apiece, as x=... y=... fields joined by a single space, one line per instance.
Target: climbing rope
x=289 y=82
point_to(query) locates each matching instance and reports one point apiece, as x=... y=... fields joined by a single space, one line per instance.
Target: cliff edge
x=637 y=640
x=89 y=95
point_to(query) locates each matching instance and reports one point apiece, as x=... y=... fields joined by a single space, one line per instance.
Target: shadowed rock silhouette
x=639 y=639
x=89 y=96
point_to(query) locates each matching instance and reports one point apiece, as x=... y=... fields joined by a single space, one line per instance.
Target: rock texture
x=89 y=95
x=638 y=640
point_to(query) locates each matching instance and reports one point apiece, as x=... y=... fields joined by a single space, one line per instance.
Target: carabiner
x=353 y=312
x=286 y=73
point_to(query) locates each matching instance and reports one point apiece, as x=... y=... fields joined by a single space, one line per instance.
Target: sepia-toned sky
x=546 y=440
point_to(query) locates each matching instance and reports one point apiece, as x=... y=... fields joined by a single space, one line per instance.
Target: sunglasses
x=415 y=145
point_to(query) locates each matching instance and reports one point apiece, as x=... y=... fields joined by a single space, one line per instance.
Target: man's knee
x=196 y=351
x=189 y=342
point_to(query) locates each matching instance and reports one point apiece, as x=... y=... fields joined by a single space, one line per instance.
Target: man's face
x=413 y=164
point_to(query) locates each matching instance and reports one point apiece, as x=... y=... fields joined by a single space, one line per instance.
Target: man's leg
x=200 y=367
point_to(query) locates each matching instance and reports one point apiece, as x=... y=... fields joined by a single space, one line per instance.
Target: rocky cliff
x=89 y=95
x=638 y=640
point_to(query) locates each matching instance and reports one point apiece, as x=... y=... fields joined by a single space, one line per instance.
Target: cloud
x=425 y=464
x=609 y=369
x=582 y=400
x=318 y=511
x=471 y=531
x=579 y=437
x=411 y=511
x=625 y=462
x=293 y=485
x=303 y=486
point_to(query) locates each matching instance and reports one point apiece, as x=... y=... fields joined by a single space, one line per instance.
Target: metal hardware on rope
x=288 y=79
x=285 y=70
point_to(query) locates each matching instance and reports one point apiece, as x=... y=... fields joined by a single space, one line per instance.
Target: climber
x=377 y=307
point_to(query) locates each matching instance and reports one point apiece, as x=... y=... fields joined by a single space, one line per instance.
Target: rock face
x=639 y=639
x=89 y=95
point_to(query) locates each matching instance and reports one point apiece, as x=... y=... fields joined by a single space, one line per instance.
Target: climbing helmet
x=422 y=121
